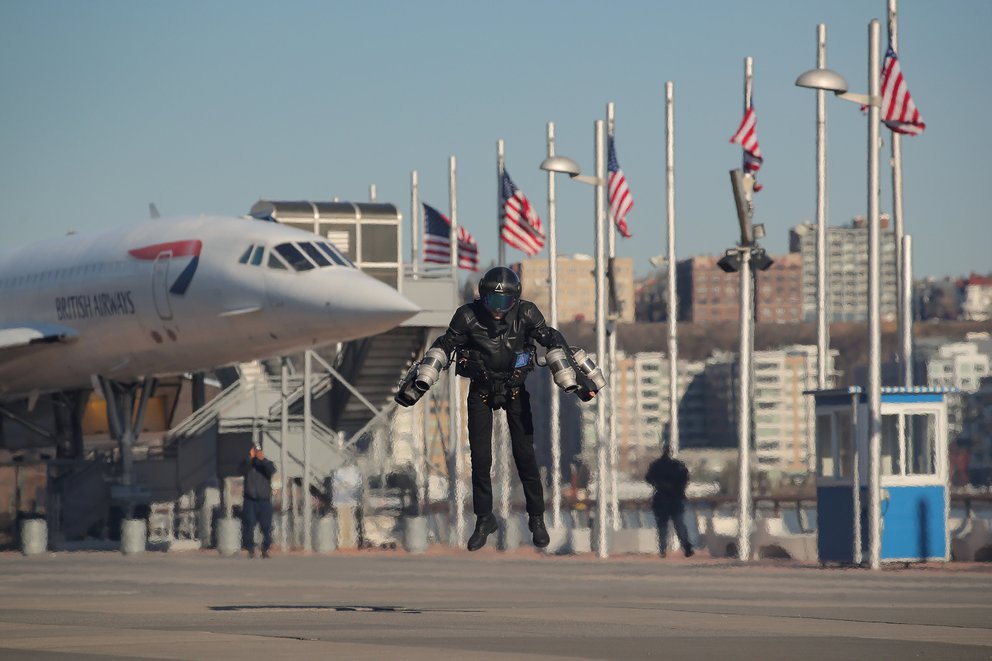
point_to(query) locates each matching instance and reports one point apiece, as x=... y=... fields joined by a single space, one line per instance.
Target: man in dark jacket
x=257 y=508
x=669 y=477
x=493 y=340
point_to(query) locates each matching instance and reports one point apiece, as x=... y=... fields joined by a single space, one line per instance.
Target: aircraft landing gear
x=124 y=421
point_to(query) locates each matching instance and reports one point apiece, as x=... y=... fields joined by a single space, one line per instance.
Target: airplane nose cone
x=372 y=307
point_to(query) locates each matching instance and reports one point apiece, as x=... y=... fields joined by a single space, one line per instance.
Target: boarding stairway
x=348 y=395
x=374 y=367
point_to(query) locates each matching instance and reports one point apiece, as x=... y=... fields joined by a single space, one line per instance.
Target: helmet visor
x=500 y=303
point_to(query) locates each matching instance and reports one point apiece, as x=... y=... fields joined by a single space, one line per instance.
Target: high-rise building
x=847 y=269
x=779 y=291
x=782 y=416
x=977 y=434
x=708 y=294
x=642 y=408
x=959 y=365
x=977 y=304
x=576 y=286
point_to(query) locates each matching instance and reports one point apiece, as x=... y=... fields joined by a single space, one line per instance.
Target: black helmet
x=499 y=290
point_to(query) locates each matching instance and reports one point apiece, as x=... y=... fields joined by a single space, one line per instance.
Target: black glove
x=407 y=393
x=587 y=389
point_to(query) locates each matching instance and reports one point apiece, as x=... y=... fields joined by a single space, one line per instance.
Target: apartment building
x=847 y=269
x=576 y=286
x=782 y=416
x=977 y=303
x=707 y=294
x=959 y=365
x=643 y=411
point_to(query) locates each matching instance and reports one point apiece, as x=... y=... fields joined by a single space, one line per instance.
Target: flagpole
x=500 y=169
x=453 y=401
x=673 y=342
x=414 y=222
x=500 y=435
x=745 y=351
x=600 y=211
x=874 y=321
x=904 y=313
x=612 y=347
x=554 y=413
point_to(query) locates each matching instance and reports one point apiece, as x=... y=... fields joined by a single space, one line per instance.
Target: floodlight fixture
x=730 y=262
x=760 y=259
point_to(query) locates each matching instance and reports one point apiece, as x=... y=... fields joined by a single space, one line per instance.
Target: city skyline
x=206 y=108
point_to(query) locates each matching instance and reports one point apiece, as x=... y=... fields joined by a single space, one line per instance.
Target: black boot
x=484 y=526
x=541 y=536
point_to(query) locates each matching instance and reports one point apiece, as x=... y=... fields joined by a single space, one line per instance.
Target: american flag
x=747 y=138
x=898 y=110
x=620 y=198
x=521 y=224
x=437 y=241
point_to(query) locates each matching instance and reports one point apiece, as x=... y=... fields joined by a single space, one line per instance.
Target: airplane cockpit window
x=296 y=259
x=256 y=257
x=314 y=254
x=276 y=262
x=333 y=253
x=244 y=257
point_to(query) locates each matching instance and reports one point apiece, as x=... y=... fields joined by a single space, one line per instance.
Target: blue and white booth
x=914 y=499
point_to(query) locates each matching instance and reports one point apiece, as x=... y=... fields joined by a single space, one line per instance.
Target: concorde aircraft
x=172 y=296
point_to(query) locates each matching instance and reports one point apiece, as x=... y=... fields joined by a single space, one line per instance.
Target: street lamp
x=568 y=166
x=745 y=258
x=830 y=81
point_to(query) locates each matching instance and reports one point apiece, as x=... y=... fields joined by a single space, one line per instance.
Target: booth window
x=824 y=445
x=909 y=444
x=921 y=439
x=834 y=444
x=891 y=461
x=845 y=438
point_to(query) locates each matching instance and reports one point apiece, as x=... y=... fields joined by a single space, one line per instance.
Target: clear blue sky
x=208 y=106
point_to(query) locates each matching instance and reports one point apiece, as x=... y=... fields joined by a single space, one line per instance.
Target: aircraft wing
x=16 y=340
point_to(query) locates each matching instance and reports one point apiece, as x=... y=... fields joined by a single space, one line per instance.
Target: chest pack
x=471 y=365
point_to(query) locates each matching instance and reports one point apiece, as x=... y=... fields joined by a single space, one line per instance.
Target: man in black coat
x=257 y=507
x=669 y=477
x=493 y=338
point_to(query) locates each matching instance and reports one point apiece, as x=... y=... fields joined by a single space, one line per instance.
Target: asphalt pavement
x=450 y=604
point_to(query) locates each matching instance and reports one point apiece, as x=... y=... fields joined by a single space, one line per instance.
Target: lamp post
x=571 y=168
x=831 y=81
x=747 y=257
x=555 y=427
x=822 y=328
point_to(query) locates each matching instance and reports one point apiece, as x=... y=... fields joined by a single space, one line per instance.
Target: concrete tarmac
x=449 y=604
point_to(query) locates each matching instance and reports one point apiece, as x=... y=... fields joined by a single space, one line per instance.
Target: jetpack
x=420 y=377
x=575 y=372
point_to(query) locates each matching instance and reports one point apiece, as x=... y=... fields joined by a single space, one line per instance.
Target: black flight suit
x=488 y=351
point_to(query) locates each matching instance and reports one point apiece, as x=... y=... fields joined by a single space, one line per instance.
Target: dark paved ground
x=455 y=605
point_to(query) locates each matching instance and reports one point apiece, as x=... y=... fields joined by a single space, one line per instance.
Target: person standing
x=669 y=477
x=257 y=507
